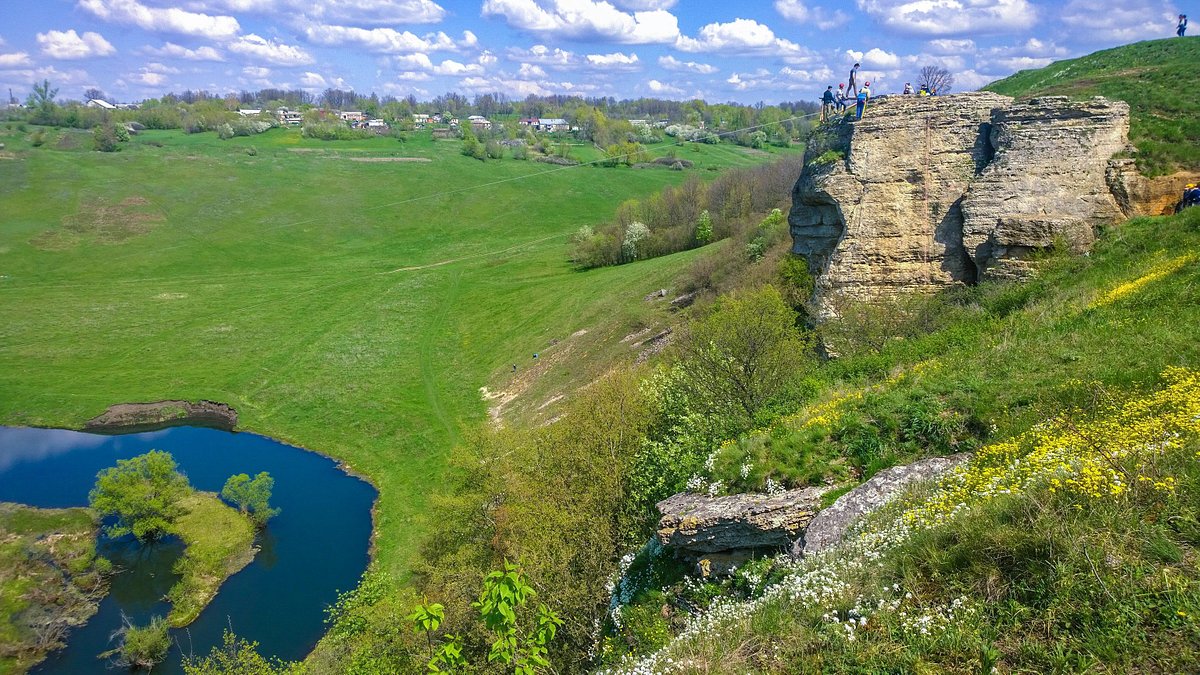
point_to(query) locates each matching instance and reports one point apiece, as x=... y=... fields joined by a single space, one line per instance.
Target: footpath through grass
x=350 y=307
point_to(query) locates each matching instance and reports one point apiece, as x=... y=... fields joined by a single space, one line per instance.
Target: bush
x=333 y=131
x=104 y=138
x=141 y=646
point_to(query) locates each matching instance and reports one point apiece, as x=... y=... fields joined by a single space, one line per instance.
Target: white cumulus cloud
x=671 y=63
x=950 y=46
x=663 y=89
x=1124 y=22
x=799 y=12
x=71 y=45
x=740 y=36
x=380 y=40
x=954 y=17
x=877 y=58
x=586 y=19
x=313 y=81
x=614 y=61
x=172 y=50
x=543 y=55
x=156 y=19
x=262 y=49
x=15 y=60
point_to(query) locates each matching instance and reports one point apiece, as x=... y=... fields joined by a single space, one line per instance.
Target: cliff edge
x=927 y=192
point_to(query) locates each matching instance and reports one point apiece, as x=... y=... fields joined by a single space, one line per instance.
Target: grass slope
x=219 y=542
x=1057 y=581
x=350 y=307
x=1154 y=77
x=50 y=579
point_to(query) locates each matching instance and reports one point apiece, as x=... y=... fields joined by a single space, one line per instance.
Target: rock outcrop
x=878 y=206
x=830 y=525
x=1046 y=183
x=718 y=533
x=926 y=192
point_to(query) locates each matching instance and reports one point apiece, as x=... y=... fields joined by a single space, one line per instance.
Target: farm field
x=352 y=307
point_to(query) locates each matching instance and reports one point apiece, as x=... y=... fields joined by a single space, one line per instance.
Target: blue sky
x=748 y=51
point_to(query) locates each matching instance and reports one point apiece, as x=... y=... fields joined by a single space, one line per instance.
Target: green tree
x=251 y=495
x=704 y=229
x=105 y=139
x=743 y=353
x=41 y=100
x=144 y=494
x=523 y=648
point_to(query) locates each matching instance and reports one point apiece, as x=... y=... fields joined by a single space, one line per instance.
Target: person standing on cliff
x=841 y=96
x=863 y=96
x=852 y=83
x=828 y=103
x=1182 y=28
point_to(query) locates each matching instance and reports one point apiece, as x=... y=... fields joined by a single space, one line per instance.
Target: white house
x=249 y=112
x=353 y=116
x=552 y=124
x=100 y=103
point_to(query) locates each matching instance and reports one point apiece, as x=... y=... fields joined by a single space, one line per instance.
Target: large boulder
x=1047 y=183
x=927 y=192
x=696 y=524
x=876 y=210
x=830 y=525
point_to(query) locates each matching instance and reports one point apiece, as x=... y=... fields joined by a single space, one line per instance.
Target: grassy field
x=220 y=542
x=352 y=307
x=48 y=580
x=1154 y=77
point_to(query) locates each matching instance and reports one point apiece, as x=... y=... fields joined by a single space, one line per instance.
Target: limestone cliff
x=927 y=192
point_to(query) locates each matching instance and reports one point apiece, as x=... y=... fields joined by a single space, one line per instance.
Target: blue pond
x=316 y=547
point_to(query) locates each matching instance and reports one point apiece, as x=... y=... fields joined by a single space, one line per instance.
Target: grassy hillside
x=1070 y=543
x=1154 y=77
x=348 y=297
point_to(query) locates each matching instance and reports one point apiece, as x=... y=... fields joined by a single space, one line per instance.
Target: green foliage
x=105 y=139
x=237 y=656
x=522 y=647
x=471 y=147
x=144 y=493
x=331 y=131
x=140 y=646
x=743 y=353
x=704 y=228
x=252 y=496
x=1146 y=75
x=41 y=100
x=828 y=157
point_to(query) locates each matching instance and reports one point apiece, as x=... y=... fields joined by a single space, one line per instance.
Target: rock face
x=1046 y=182
x=926 y=192
x=132 y=416
x=829 y=526
x=696 y=525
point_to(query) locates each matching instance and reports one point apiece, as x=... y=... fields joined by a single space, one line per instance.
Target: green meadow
x=348 y=297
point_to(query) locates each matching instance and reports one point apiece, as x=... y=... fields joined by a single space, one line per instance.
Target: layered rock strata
x=926 y=192
x=719 y=533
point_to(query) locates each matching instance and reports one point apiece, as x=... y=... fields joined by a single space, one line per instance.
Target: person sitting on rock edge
x=908 y=89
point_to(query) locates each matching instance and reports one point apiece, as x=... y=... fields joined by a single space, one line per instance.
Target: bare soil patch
x=98 y=222
x=389 y=159
x=125 y=417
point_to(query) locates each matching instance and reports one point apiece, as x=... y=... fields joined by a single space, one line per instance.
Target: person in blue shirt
x=828 y=103
x=1182 y=28
x=864 y=95
x=852 y=83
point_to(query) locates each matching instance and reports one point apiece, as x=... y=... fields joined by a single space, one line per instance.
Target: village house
x=420 y=119
x=100 y=103
x=292 y=118
x=249 y=112
x=353 y=116
x=479 y=123
x=552 y=124
x=376 y=123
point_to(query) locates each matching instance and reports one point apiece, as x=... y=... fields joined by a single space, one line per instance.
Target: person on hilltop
x=924 y=91
x=852 y=83
x=908 y=89
x=828 y=103
x=841 y=97
x=864 y=95
x=1182 y=27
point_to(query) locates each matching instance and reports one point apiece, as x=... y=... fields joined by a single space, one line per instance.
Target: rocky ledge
x=138 y=416
x=830 y=525
x=928 y=192
x=718 y=533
